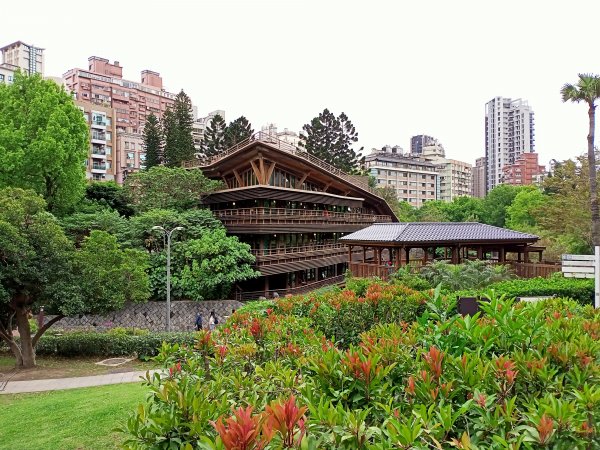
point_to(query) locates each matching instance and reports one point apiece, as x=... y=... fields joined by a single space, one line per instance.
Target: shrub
x=579 y=289
x=406 y=276
x=91 y=343
x=525 y=375
x=468 y=275
x=122 y=331
x=343 y=315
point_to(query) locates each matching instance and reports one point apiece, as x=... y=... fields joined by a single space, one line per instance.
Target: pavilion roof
x=442 y=232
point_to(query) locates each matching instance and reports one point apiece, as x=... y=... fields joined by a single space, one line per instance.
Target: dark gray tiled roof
x=437 y=232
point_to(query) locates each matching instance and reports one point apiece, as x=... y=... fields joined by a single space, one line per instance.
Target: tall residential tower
x=509 y=132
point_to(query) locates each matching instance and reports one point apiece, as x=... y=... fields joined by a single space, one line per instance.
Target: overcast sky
x=396 y=68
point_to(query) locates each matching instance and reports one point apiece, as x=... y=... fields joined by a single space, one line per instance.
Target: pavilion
x=388 y=245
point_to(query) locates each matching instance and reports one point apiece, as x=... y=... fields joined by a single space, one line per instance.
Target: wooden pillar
x=445 y=252
x=350 y=255
x=433 y=250
x=480 y=252
x=397 y=255
x=501 y=255
x=266 y=286
x=425 y=255
x=455 y=257
x=407 y=249
x=364 y=254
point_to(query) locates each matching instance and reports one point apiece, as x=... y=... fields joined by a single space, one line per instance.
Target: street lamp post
x=168 y=234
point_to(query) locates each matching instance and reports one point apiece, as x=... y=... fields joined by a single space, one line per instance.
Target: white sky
x=396 y=68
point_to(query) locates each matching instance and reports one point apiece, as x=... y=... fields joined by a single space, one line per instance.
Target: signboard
x=584 y=266
x=578 y=266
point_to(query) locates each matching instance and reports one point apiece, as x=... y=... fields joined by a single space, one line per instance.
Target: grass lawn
x=75 y=419
x=57 y=367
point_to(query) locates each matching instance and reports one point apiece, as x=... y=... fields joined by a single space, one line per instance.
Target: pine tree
x=330 y=139
x=237 y=131
x=153 y=141
x=177 y=130
x=214 y=137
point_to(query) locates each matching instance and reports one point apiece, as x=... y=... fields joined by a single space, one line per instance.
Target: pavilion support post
x=425 y=255
x=397 y=255
x=480 y=252
x=502 y=255
x=407 y=250
x=455 y=257
x=350 y=255
x=364 y=254
x=433 y=250
x=445 y=252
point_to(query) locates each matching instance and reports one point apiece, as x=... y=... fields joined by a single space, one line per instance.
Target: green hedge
x=92 y=343
x=579 y=289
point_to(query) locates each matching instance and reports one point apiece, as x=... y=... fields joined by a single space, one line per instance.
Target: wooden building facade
x=292 y=209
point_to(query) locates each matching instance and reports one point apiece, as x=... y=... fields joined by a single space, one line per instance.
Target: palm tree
x=587 y=90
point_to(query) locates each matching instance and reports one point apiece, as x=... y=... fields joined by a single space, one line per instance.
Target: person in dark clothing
x=198 y=322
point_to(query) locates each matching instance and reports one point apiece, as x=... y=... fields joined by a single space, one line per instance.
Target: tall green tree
x=330 y=139
x=565 y=211
x=587 y=90
x=237 y=131
x=213 y=142
x=153 y=142
x=40 y=266
x=522 y=213
x=43 y=141
x=495 y=204
x=164 y=187
x=177 y=130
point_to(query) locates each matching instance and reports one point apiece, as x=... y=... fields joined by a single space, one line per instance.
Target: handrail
x=241 y=296
x=265 y=212
x=300 y=249
x=287 y=147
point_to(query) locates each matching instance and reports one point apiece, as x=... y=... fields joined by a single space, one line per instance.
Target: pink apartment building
x=102 y=89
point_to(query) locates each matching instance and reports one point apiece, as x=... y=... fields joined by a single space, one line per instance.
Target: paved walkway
x=56 y=384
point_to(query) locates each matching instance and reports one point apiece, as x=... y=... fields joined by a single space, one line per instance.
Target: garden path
x=56 y=384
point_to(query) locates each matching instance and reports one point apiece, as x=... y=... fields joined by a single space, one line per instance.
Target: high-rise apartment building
x=418 y=142
x=29 y=59
x=479 y=184
x=525 y=170
x=509 y=132
x=122 y=105
x=413 y=179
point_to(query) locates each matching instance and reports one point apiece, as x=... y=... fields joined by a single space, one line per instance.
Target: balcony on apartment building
x=99 y=122
x=98 y=137
x=98 y=167
x=98 y=151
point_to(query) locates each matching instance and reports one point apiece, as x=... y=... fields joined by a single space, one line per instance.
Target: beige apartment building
x=413 y=179
x=25 y=57
x=121 y=107
x=455 y=177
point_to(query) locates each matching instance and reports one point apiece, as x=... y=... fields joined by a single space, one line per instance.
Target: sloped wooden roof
x=438 y=232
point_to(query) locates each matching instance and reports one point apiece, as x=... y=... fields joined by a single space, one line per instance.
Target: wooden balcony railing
x=269 y=257
x=285 y=215
x=286 y=147
x=255 y=295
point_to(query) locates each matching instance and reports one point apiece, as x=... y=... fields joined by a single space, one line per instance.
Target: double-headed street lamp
x=168 y=234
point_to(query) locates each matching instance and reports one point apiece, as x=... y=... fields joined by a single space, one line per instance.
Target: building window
x=130 y=155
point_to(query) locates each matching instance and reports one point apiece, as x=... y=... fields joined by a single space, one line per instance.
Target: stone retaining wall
x=152 y=316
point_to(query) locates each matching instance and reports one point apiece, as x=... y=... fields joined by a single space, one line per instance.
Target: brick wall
x=152 y=316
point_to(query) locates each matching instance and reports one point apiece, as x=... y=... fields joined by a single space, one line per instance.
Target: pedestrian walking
x=198 y=322
x=212 y=321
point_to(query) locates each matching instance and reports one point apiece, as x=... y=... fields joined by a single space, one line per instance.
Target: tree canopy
x=153 y=142
x=330 y=139
x=43 y=141
x=40 y=266
x=236 y=132
x=213 y=142
x=167 y=188
x=177 y=131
